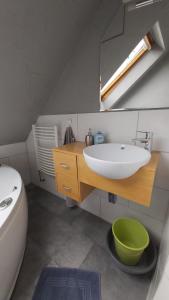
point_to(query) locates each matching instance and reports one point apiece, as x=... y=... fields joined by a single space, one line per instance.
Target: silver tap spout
x=147 y=140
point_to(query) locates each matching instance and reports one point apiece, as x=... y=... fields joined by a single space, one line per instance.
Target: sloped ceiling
x=37 y=38
x=77 y=88
x=125 y=43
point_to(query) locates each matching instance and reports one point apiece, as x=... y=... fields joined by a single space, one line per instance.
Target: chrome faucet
x=147 y=140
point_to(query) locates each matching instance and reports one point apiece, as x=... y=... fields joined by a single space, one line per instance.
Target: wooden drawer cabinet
x=65 y=164
x=68 y=186
x=66 y=170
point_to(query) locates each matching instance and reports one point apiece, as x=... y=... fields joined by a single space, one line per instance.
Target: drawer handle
x=65 y=166
x=67 y=188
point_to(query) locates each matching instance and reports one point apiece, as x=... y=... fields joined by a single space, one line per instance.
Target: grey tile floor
x=59 y=236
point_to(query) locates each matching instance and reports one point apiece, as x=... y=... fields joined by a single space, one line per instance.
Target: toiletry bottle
x=89 y=138
x=99 y=138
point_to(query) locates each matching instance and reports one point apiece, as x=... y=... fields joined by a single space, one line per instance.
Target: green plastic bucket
x=131 y=239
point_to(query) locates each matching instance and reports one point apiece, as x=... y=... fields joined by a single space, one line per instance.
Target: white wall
x=119 y=127
x=77 y=88
x=37 y=39
x=159 y=288
x=15 y=155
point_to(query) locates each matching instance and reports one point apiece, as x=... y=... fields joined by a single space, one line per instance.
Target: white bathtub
x=13 y=229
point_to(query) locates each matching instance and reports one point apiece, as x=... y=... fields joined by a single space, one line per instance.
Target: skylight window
x=137 y=53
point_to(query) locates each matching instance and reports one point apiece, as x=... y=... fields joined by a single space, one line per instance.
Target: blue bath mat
x=68 y=284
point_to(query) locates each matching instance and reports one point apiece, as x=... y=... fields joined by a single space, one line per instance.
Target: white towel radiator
x=45 y=138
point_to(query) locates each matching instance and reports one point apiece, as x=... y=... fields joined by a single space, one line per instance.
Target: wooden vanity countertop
x=77 y=149
x=74 y=148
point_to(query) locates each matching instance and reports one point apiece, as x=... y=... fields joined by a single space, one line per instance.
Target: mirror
x=134 y=59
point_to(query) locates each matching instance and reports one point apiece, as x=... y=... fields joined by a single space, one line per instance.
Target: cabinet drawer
x=68 y=186
x=65 y=164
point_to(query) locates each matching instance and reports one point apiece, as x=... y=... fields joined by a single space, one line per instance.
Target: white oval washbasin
x=115 y=161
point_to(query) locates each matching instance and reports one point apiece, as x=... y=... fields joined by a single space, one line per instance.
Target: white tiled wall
x=162 y=178
x=15 y=155
x=92 y=203
x=163 y=289
x=159 y=288
x=158 y=122
x=119 y=127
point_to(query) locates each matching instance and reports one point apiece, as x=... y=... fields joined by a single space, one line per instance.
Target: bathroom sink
x=115 y=161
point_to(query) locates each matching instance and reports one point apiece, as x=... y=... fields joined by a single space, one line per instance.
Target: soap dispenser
x=99 y=138
x=89 y=140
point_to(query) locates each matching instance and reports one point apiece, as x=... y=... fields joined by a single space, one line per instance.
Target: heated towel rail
x=45 y=138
